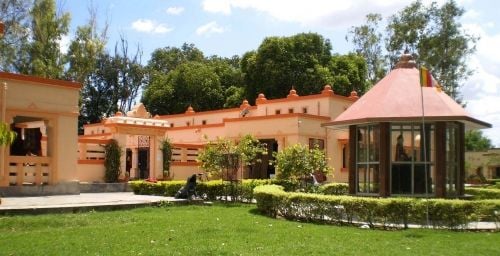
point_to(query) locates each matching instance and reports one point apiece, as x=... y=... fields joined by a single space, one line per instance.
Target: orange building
x=278 y=122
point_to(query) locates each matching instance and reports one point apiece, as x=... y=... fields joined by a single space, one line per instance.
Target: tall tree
x=367 y=42
x=167 y=59
x=86 y=54
x=476 y=141
x=434 y=34
x=191 y=83
x=45 y=58
x=349 y=73
x=282 y=62
x=14 y=14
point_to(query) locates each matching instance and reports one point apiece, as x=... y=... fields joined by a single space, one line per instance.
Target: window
x=171 y=124
x=187 y=123
x=412 y=156
x=320 y=143
x=367 y=159
x=290 y=111
x=31 y=139
x=204 y=122
x=304 y=110
x=277 y=112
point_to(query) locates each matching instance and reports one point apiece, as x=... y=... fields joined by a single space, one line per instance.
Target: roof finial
x=406 y=60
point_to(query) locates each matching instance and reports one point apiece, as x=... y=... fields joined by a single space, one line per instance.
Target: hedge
x=239 y=191
x=272 y=200
x=483 y=193
x=334 y=189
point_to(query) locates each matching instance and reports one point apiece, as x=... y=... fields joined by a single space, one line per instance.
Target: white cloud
x=313 y=12
x=149 y=26
x=175 y=10
x=482 y=90
x=209 y=28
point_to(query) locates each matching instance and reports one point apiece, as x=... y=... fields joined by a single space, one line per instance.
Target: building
x=483 y=163
x=278 y=123
x=44 y=113
x=405 y=139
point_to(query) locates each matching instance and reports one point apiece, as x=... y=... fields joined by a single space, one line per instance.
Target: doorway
x=265 y=169
x=143 y=163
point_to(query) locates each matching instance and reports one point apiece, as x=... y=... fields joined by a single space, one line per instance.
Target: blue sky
x=233 y=27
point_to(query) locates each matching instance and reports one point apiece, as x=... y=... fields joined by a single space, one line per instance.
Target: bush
x=334 y=189
x=212 y=189
x=272 y=200
x=483 y=193
x=112 y=161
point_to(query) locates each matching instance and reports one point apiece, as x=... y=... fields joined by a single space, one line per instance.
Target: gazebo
x=398 y=147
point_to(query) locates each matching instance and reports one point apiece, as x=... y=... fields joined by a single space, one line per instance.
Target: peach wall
x=55 y=102
x=91 y=172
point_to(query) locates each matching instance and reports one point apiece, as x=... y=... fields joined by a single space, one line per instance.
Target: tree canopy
x=476 y=141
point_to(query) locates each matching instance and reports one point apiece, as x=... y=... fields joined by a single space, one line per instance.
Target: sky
x=233 y=27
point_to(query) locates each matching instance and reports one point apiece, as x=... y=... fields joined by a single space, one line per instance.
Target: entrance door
x=264 y=169
x=143 y=163
x=497 y=172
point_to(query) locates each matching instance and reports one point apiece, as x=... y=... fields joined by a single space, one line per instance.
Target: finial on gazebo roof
x=406 y=60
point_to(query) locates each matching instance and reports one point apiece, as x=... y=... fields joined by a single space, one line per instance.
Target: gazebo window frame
x=415 y=130
x=371 y=166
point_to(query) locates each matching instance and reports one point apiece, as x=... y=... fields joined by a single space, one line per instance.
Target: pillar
x=352 y=159
x=385 y=160
x=135 y=163
x=440 y=135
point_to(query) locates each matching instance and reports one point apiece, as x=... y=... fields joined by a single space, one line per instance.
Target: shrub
x=112 y=161
x=297 y=163
x=272 y=200
x=212 y=189
x=334 y=189
x=166 y=151
x=483 y=193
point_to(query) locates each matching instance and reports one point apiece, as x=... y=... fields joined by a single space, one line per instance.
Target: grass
x=219 y=230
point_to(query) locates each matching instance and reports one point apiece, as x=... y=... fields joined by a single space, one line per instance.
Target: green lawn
x=220 y=230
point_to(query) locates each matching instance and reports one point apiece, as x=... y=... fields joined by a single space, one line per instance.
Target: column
x=385 y=160
x=440 y=182
x=352 y=159
x=135 y=163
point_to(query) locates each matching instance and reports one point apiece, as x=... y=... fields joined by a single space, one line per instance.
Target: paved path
x=65 y=203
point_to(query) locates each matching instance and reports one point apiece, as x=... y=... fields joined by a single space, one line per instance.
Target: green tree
x=44 y=56
x=166 y=151
x=367 y=42
x=435 y=35
x=476 y=141
x=214 y=156
x=14 y=14
x=191 y=83
x=349 y=73
x=6 y=135
x=113 y=153
x=282 y=62
x=166 y=59
x=298 y=162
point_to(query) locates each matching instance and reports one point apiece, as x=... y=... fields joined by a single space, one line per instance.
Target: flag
x=426 y=79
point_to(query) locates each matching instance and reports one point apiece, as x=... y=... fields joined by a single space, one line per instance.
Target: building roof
x=39 y=80
x=397 y=97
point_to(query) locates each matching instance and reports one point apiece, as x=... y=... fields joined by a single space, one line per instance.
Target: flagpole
x=424 y=145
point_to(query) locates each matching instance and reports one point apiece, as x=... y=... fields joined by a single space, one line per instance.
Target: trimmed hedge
x=334 y=189
x=272 y=200
x=483 y=193
x=240 y=191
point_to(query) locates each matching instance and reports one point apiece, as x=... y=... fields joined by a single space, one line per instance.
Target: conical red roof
x=397 y=97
